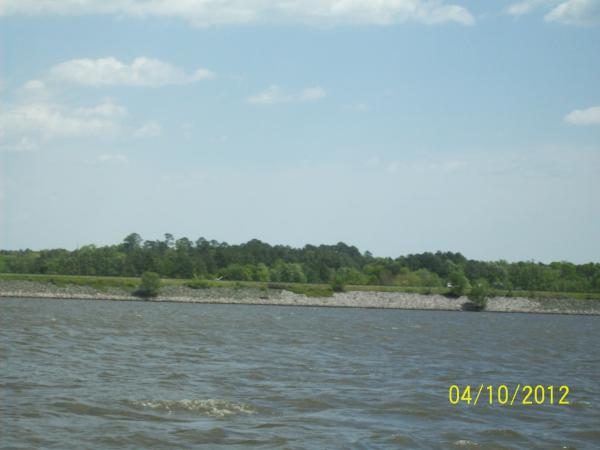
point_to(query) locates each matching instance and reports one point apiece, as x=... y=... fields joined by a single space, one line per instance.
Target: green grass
x=311 y=290
x=407 y=289
x=493 y=292
x=130 y=284
x=550 y=294
x=100 y=283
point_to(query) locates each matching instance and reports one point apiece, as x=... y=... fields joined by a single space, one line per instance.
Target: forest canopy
x=258 y=261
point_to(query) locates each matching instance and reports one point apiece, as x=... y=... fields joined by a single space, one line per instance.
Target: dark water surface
x=107 y=375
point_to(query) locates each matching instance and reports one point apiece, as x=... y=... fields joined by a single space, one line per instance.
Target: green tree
x=287 y=272
x=479 y=294
x=261 y=272
x=132 y=242
x=459 y=284
x=149 y=285
x=338 y=284
x=350 y=275
x=237 y=272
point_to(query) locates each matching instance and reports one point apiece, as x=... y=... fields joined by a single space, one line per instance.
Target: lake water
x=108 y=375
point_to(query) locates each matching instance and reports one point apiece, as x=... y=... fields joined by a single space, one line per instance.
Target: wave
x=209 y=407
x=465 y=443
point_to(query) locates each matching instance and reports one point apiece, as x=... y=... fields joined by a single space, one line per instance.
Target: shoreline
x=351 y=299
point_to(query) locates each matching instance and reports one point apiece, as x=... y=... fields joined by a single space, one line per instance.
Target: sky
x=398 y=126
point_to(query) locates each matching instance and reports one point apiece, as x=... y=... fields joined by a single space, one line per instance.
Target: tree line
x=259 y=261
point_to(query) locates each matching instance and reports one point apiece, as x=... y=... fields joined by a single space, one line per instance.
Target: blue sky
x=398 y=126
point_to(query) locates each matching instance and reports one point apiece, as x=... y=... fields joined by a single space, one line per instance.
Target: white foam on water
x=208 y=407
x=466 y=443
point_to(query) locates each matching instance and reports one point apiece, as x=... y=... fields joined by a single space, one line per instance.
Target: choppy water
x=104 y=375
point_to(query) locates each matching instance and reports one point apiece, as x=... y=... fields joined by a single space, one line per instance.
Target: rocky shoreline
x=251 y=296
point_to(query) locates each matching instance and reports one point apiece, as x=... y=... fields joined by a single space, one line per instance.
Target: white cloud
x=525 y=7
x=24 y=126
x=227 y=12
x=567 y=12
x=269 y=96
x=274 y=94
x=34 y=90
x=110 y=72
x=21 y=144
x=112 y=158
x=357 y=107
x=310 y=94
x=148 y=130
x=33 y=85
x=107 y=108
x=576 y=12
x=589 y=116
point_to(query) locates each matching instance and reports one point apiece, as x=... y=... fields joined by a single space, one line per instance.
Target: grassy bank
x=130 y=284
x=493 y=292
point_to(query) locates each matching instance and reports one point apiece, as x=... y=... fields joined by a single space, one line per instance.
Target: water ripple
x=104 y=375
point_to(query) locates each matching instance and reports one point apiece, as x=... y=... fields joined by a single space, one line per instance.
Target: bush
x=479 y=295
x=311 y=290
x=149 y=285
x=198 y=284
x=338 y=286
x=459 y=284
x=339 y=280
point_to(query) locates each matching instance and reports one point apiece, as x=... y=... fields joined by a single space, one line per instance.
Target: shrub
x=311 y=290
x=479 y=295
x=459 y=284
x=198 y=284
x=339 y=280
x=338 y=285
x=149 y=285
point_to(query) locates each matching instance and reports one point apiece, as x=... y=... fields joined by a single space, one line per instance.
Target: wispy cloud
x=38 y=113
x=24 y=126
x=274 y=94
x=576 y=12
x=148 y=130
x=18 y=144
x=567 y=12
x=357 y=107
x=588 y=116
x=33 y=86
x=34 y=91
x=228 y=12
x=526 y=6
x=27 y=125
x=110 y=71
